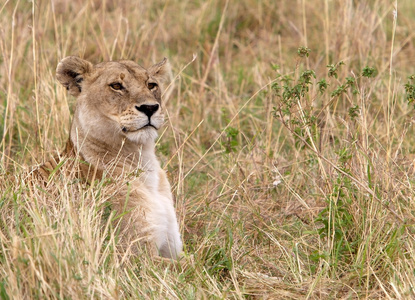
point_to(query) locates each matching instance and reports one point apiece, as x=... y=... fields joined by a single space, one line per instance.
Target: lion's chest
x=161 y=211
x=160 y=208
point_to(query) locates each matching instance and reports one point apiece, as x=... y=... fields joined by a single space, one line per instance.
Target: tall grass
x=289 y=143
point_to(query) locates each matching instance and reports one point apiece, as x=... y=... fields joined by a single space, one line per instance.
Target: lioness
x=117 y=116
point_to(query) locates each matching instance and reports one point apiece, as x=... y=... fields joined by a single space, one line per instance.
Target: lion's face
x=116 y=99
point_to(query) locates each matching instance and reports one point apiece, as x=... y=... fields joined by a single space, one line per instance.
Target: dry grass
x=276 y=199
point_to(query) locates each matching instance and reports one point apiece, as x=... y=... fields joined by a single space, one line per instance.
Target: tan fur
x=116 y=101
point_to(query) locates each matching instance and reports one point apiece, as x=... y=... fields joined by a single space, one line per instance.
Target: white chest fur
x=161 y=210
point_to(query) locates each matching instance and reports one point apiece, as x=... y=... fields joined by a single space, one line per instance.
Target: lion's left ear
x=161 y=72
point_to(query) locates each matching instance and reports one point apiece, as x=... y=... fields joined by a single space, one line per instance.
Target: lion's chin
x=142 y=135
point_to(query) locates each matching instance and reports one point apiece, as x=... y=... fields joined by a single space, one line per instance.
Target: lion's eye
x=116 y=86
x=151 y=85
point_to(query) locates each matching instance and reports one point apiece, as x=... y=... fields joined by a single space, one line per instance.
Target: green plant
x=410 y=89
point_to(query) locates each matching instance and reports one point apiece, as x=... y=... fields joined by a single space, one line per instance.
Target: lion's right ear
x=71 y=71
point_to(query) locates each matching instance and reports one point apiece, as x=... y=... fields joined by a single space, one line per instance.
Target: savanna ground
x=289 y=142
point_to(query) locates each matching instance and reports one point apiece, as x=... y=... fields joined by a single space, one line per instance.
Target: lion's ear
x=161 y=72
x=71 y=71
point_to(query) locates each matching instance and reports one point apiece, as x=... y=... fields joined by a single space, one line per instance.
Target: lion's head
x=117 y=99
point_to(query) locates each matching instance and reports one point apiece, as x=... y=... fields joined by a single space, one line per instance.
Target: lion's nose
x=149 y=110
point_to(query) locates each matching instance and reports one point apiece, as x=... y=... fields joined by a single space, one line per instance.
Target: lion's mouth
x=149 y=125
